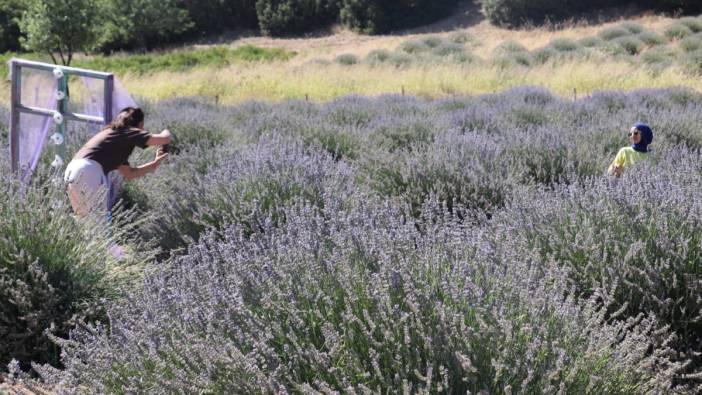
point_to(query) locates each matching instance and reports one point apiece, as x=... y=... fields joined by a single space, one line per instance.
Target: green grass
x=176 y=61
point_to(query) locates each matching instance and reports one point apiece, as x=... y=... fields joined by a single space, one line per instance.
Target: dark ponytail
x=128 y=117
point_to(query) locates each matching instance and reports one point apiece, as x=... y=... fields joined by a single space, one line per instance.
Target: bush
x=591 y=42
x=382 y=16
x=563 y=45
x=53 y=270
x=401 y=59
x=346 y=59
x=643 y=271
x=10 y=12
x=448 y=49
x=357 y=298
x=651 y=38
x=141 y=24
x=509 y=47
x=432 y=41
x=543 y=55
x=378 y=56
x=694 y=24
x=215 y=16
x=461 y=38
x=612 y=33
x=677 y=31
x=630 y=44
x=353 y=244
x=657 y=56
x=414 y=47
x=520 y=12
x=691 y=43
x=284 y=17
x=693 y=62
x=632 y=27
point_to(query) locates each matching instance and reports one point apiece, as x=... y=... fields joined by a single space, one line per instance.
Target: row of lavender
x=375 y=244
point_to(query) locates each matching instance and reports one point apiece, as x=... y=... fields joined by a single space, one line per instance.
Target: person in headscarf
x=640 y=136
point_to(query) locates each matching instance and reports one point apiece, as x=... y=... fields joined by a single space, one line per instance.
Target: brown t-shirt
x=111 y=148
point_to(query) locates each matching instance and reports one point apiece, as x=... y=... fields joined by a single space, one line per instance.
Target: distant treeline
x=109 y=25
x=513 y=13
x=146 y=24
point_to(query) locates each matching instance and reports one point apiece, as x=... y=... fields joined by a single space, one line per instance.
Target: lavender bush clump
x=53 y=270
x=638 y=238
x=356 y=299
x=371 y=244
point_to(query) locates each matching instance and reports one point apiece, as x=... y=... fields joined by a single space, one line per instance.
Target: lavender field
x=373 y=245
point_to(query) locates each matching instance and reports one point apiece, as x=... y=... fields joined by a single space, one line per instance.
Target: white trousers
x=87 y=187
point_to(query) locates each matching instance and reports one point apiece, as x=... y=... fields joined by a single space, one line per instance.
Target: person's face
x=634 y=136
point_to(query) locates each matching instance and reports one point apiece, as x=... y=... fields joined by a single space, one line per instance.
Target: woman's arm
x=130 y=173
x=617 y=165
x=162 y=138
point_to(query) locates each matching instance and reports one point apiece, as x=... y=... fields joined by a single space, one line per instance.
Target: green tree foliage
x=61 y=27
x=513 y=13
x=141 y=24
x=214 y=16
x=381 y=16
x=281 y=17
x=10 y=13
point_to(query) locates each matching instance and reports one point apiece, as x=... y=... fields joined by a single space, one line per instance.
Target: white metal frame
x=17 y=108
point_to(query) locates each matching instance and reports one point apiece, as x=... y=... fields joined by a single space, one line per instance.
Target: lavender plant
x=53 y=270
x=355 y=299
x=369 y=244
x=638 y=237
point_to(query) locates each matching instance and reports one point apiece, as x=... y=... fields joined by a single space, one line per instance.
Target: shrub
x=643 y=271
x=141 y=24
x=401 y=59
x=448 y=49
x=694 y=24
x=651 y=38
x=656 y=56
x=693 y=62
x=677 y=31
x=333 y=232
x=632 y=27
x=691 y=43
x=284 y=17
x=215 y=16
x=465 y=58
x=543 y=55
x=413 y=47
x=381 y=16
x=518 y=13
x=10 y=13
x=53 y=270
x=591 y=42
x=347 y=59
x=461 y=38
x=514 y=59
x=563 y=45
x=630 y=44
x=509 y=47
x=378 y=56
x=432 y=41
x=612 y=33
x=358 y=298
